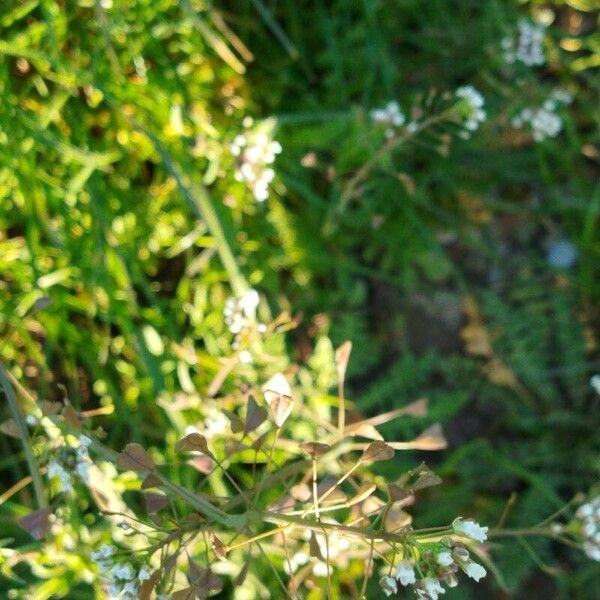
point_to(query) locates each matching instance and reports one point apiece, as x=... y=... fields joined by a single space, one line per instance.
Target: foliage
x=126 y=223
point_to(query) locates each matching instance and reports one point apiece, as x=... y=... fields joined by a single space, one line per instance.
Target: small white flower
x=122 y=571
x=391 y=117
x=254 y=152
x=130 y=589
x=474 y=102
x=444 y=558
x=83 y=471
x=473 y=570
x=595 y=383
x=144 y=573
x=433 y=587
x=592 y=551
x=245 y=357
x=470 y=529
x=388 y=585
x=249 y=302
x=105 y=551
x=57 y=470
x=320 y=569
x=405 y=572
x=585 y=511
x=530 y=46
x=31 y=420
x=85 y=441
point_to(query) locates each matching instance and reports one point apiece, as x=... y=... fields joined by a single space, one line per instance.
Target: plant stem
x=15 y=410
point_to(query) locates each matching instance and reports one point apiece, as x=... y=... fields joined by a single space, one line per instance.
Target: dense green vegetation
x=464 y=269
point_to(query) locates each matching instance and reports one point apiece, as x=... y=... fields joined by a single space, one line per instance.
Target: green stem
x=34 y=469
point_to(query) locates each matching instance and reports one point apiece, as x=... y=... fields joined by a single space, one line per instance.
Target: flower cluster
x=438 y=564
x=389 y=116
x=254 y=151
x=544 y=121
x=240 y=313
x=120 y=579
x=529 y=48
x=588 y=515
x=71 y=460
x=472 y=103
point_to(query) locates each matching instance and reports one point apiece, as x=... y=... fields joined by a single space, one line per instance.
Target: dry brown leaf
x=218 y=547
x=71 y=416
x=152 y=481
x=365 y=430
x=313 y=546
x=134 y=458
x=431 y=439
x=155 y=502
x=278 y=395
x=36 y=523
x=147 y=586
x=9 y=427
x=255 y=416
x=193 y=442
x=376 y=451
x=342 y=356
x=397 y=493
x=241 y=576
x=315 y=449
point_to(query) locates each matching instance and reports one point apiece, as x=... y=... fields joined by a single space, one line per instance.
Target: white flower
x=405 y=572
x=241 y=312
x=254 y=152
x=105 y=551
x=31 y=420
x=595 y=383
x=544 y=122
x=433 y=587
x=473 y=570
x=249 y=302
x=474 y=102
x=592 y=551
x=122 y=571
x=55 y=469
x=470 y=529
x=85 y=441
x=83 y=471
x=388 y=585
x=530 y=46
x=245 y=357
x=391 y=117
x=130 y=589
x=588 y=515
x=144 y=573
x=444 y=558
x=320 y=569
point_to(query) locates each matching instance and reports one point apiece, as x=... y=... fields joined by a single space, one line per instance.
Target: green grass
x=137 y=234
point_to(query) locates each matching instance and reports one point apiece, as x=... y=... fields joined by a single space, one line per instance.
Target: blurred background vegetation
x=123 y=232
